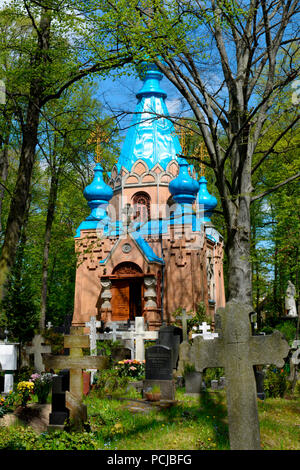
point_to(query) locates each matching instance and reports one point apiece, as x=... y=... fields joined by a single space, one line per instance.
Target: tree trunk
x=238 y=252
x=4 y=165
x=27 y=158
x=49 y=222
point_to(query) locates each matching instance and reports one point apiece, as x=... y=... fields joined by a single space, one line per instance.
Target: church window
x=141 y=206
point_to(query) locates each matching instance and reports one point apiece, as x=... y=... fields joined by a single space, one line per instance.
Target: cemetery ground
x=120 y=420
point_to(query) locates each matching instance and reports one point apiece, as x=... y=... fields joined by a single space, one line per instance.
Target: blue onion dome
x=184 y=188
x=151 y=76
x=206 y=200
x=98 y=194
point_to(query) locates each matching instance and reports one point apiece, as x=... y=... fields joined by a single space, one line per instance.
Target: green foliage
x=131 y=368
x=213 y=374
x=188 y=368
x=108 y=382
x=275 y=382
x=56 y=340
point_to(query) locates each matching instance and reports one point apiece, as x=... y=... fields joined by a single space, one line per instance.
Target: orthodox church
x=148 y=246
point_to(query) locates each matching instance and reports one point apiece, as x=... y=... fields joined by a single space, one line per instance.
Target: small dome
x=205 y=199
x=98 y=194
x=98 y=190
x=184 y=188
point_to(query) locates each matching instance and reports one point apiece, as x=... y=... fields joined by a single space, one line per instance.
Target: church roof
x=151 y=136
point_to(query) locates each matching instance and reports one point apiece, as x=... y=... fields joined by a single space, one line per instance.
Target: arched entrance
x=127 y=292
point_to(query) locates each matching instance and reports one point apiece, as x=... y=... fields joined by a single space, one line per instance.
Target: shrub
x=108 y=381
x=131 y=368
x=275 y=383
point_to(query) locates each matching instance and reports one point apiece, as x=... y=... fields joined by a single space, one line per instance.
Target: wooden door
x=120 y=300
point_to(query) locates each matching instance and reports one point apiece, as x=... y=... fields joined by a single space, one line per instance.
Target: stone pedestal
x=194 y=383
x=167 y=388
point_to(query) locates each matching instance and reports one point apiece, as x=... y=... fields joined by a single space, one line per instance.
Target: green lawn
x=191 y=424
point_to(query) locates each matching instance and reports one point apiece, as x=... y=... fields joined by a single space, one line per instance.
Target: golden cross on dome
x=98 y=136
x=202 y=153
x=183 y=130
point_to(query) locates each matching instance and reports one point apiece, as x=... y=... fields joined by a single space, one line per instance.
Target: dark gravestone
x=158 y=363
x=159 y=370
x=65 y=328
x=59 y=413
x=171 y=336
x=259 y=379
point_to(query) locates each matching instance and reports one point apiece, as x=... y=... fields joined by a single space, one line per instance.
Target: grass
x=191 y=424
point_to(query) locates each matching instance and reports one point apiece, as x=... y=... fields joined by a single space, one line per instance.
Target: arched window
x=141 y=206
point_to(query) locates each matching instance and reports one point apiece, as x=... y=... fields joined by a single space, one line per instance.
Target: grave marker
x=76 y=362
x=38 y=349
x=184 y=318
x=8 y=364
x=171 y=336
x=204 y=328
x=139 y=334
x=159 y=371
x=237 y=351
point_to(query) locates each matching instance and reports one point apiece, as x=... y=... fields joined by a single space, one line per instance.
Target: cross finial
x=98 y=136
x=183 y=129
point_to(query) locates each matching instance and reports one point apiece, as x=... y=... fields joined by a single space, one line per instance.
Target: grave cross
x=76 y=362
x=38 y=348
x=206 y=333
x=184 y=318
x=93 y=324
x=139 y=334
x=238 y=351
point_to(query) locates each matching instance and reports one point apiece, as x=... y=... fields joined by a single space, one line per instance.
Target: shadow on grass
x=209 y=416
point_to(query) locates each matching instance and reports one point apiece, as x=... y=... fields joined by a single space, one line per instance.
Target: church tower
x=148 y=247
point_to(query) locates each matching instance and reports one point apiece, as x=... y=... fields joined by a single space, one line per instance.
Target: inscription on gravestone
x=158 y=363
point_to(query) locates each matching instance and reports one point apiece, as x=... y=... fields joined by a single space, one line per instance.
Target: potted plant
x=153 y=394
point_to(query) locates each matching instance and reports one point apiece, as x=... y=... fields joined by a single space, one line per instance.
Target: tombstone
x=184 y=318
x=184 y=357
x=93 y=324
x=238 y=351
x=76 y=362
x=139 y=334
x=38 y=349
x=159 y=371
x=194 y=383
x=8 y=364
x=59 y=412
x=259 y=380
x=205 y=332
x=65 y=327
x=171 y=336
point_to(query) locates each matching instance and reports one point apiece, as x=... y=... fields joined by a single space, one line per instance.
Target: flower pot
x=152 y=396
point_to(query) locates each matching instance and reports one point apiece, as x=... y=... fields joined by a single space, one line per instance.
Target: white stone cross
x=37 y=349
x=139 y=334
x=93 y=324
x=206 y=334
x=49 y=325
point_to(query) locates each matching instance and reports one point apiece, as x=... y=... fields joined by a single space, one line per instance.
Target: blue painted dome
x=184 y=188
x=98 y=194
x=205 y=199
x=151 y=136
